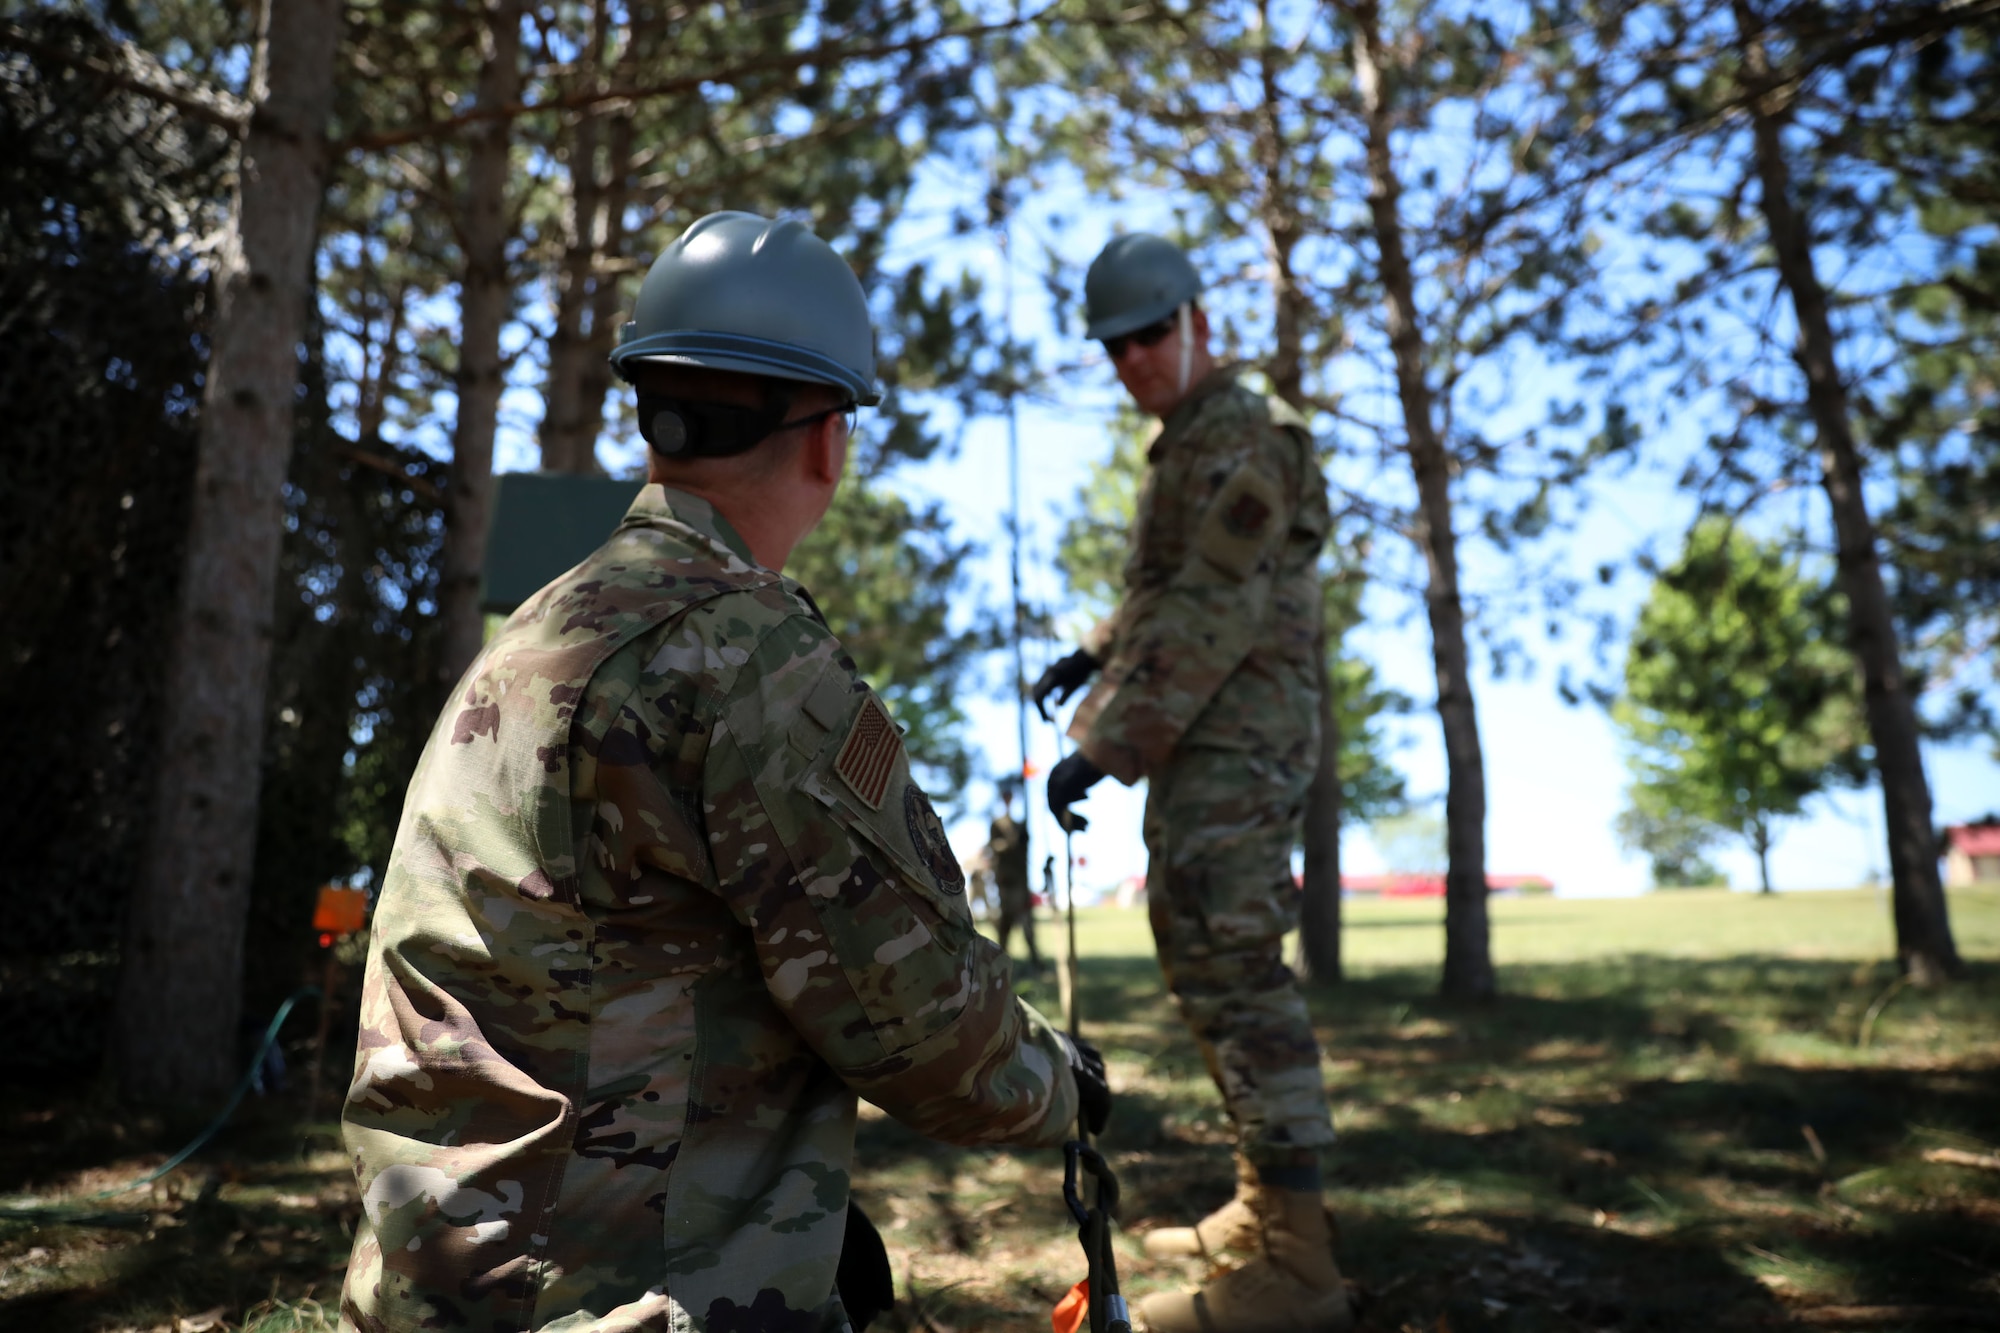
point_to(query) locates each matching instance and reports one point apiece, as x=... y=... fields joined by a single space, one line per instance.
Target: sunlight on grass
x=276 y=1316
x=1687 y=923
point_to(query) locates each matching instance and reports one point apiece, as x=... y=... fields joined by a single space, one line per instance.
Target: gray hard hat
x=740 y=292
x=1135 y=281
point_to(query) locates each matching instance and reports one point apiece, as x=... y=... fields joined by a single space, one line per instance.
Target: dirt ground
x=1628 y=1141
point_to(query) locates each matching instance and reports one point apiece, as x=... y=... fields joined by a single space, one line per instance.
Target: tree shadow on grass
x=1613 y=1145
x=1722 y=1185
x=285 y=1227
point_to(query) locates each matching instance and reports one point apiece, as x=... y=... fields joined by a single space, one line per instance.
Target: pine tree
x=1778 y=102
x=181 y=988
x=1482 y=255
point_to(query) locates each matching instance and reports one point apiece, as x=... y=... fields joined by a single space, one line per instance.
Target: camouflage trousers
x=1220 y=828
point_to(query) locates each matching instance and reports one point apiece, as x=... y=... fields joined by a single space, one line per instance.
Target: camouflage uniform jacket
x=1215 y=642
x=664 y=898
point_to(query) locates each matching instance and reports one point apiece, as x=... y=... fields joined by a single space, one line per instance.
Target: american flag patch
x=869 y=756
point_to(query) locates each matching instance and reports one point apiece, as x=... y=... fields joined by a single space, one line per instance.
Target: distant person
x=665 y=897
x=979 y=885
x=1007 y=854
x=1210 y=691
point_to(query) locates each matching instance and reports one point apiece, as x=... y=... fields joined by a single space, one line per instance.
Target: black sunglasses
x=849 y=410
x=1149 y=336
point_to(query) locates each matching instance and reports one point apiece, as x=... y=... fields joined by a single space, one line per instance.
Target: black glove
x=1062 y=679
x=1093 y=1089
x=1069 y=782
x=862 y=1277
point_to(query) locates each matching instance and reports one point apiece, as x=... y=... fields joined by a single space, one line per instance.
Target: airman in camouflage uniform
x=1210 y=691
x=665 y=898
x=1007 y=856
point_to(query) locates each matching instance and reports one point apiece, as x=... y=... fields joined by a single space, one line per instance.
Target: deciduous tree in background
x=1740 y=703
x=1675 y=842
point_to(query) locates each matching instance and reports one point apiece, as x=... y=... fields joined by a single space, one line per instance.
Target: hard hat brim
x=713 y=350
x=1128 y=321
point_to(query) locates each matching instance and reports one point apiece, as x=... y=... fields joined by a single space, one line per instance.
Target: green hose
x=29 y=1209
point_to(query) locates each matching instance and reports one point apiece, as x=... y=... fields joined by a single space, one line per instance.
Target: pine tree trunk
x=563 y=420
x=1319 y=919
x=180 y=994
x=1924 y=943
x=1468 y=962
x=594 y=379
x=485 y=301
x=569 y=425
x=1760 y=838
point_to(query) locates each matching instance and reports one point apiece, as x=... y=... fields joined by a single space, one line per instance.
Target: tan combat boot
x=1230 y=1231
x=1293 y=1287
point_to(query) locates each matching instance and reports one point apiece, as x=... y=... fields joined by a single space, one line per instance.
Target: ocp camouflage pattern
x=641 y=943
x=1211 y=691
x=1216 y=639
x=1220 y=828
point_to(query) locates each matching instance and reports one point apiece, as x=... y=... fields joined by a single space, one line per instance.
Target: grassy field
x=1692 y=1110
x=1694 y=923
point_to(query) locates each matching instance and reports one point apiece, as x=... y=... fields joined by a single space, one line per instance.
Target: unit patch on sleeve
x=1238 y=526
x=869 y=755
x=927 y=833
x=1247 y=516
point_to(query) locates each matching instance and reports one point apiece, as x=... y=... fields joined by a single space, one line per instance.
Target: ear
x=1198 y=325
x=825 y=451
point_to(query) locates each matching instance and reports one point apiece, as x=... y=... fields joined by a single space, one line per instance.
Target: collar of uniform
x=1205 y=388
x=663 y=503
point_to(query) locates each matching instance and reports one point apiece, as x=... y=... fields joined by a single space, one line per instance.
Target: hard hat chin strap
x=1185 y=317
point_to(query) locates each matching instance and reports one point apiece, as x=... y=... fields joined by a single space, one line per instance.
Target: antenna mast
x=1003 y=210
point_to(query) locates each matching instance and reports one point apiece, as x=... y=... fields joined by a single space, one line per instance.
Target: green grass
x=1620 y=1143
x=1690 y=923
